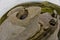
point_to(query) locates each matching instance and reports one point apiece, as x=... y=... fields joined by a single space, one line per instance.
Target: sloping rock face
x=30 y=23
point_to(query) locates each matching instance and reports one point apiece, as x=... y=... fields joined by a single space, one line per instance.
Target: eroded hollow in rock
x=23 y=16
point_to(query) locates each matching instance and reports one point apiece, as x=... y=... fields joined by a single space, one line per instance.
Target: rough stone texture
x=16 y=29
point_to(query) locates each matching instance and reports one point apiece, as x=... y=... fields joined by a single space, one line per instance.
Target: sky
x=5 y=5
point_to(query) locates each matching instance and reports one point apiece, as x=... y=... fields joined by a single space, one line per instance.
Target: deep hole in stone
x=23 y=16
x=54 y=15
x=52 y=22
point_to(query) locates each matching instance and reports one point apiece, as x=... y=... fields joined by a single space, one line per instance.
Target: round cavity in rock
x=24 y=15
x=52 y=22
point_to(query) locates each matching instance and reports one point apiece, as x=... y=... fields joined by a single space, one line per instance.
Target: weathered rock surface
x=31 y=26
